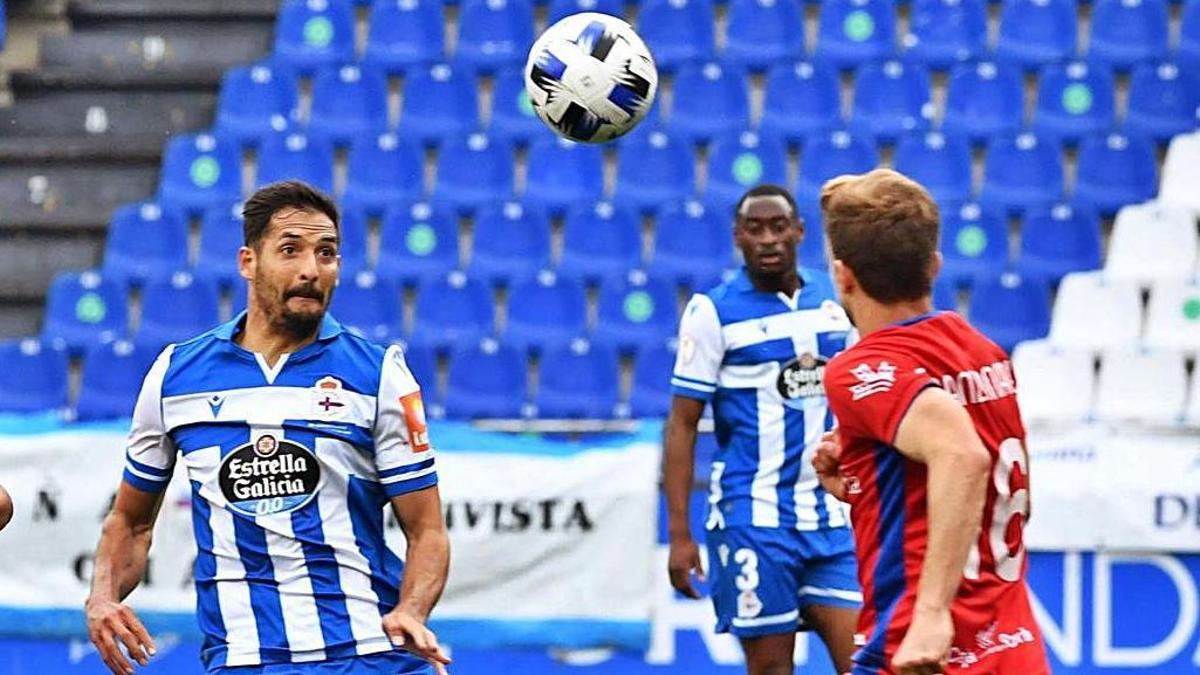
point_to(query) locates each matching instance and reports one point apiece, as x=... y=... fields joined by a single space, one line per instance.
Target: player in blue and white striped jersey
x=294 y=435
x=781 y=555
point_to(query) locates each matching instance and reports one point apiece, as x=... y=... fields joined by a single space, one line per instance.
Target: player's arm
x=427 y=562
x=6 y=507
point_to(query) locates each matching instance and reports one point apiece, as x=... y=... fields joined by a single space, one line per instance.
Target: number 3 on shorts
x=748 y=604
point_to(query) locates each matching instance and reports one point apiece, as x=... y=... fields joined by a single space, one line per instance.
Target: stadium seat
x=422 y=363
x=221 y=236
x=1163 y=100
x=455 y=310
x=578 y=381
x=600 y=242
x=348 y=101
x=447 y=106
x=942 y=33
x=1115 y=170
x=740 y=161
x=709 y=101
x=1021 y=172
x=383 y=170
x=851 y=32
x=654 y=169
x=33 y=377
x=799 y=100
x=692 y=242
x=314 y=33
x=1095 y=312
x=974 y=243
x=763 y=32
x=1057 y=384
x=405 y=34
x=112 y=377
x=829 y=155
x=494 y=34
x=511 y=241
x=545 y=312
x=513 y=120
x=1181 y=173
x=368 y=305
x=256 y=102
x=178 y=308
x=1074 y=101
x=353 y=233
x=560 y=9
x=1034 y=33
x=144 y=241
x=473 y=171
x=563 y=174
x=1141 y=385
x=1152 y=241
x=486 y=380
x=1127 y=32
x=296 y=157
x=651 y=392
x=983 y=100
x=82 y=309
x=1010 y=309
x=678 y=32
x=891 y=99
x=940 y=162
x=639 y=311
x=1173 y=319
x=1058 y=240
x=945 y=295
x=812 y=246
x=1187 y=52
x=198 y=171
x=417 y=244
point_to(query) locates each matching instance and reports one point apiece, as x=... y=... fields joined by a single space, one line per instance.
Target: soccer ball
x=590 y=77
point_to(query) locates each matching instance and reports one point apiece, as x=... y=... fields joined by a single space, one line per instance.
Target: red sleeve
x=870 y=390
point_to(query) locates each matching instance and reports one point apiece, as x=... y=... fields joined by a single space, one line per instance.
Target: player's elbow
x=6 y=508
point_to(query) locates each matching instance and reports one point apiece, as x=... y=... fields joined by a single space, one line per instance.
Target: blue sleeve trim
x=146 y=468
x=693 y=380
x=145 y=485
x=406 y=486
x=407 y=468
x=687 y=392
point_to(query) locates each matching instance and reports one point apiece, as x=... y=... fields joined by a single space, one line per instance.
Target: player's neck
x=261 y=336
x=785 y=282
x=874 y=316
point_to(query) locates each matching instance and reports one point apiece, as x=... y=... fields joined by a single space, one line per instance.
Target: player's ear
x=935 y=265
x=247 y=263
x=843 y=278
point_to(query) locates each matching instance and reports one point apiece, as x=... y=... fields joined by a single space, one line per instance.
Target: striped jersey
x=760 y=358
x=290 y=468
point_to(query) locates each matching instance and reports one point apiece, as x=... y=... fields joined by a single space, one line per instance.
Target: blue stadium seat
x=198 y=171
x=178 y=309
x=563 y=174
x=473 y=172
x=511 y=241
x=221 y=236
x=653 y=169
x=940 y=162
x=353 y=230
x=578 y=381
x=1021 y=172
x=1128 y=32
x=347 y=102
x=368 y=305
x=455 y=310
x=1010 y=308
x=1163 y=100
x=83 y=309
x=383 y=170
x=422 y=363
x=709 y=101
x=984 y=99
x=513 y=119
x=296 y=157
x=486 y=380
x=404 y=34
x=33 y=376
x=651 y=392
x=1188 y=50
x=692 y=242
x=1059 y=240
x=942 y=33
x=112 y=377
x=891 y=99
x=678 y=32
x=974 y=244
x=417 y=244
x=256 y=102
x=812 y=246
x=314 y=33
x=494 y=34
x=440 y=103
x=1074 y=100
x=945 y=295
x=600 y=241
x=760 y=33
x=1037 y=32
x=1115 y=170
x=560 y=9
x=738 y=162
x=3 y=25
x=852 y=32
x=637 y=312
x=144 y=241
x=829 y=155
x=545 y=312
x=800 y=99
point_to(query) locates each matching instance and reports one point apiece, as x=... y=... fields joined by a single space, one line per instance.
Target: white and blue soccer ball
x=590 y=77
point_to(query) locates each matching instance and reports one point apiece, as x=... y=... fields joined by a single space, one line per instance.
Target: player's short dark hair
x=883 y=226
x=766 y=190
x=268 y=200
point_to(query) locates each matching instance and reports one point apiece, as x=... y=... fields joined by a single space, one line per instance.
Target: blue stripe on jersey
x=153 y=486
x=264 y=590
x=889 y=579
x=146 y=468
x=741 y=457
x=693 y=380
x=366 y=500
x=407 y=468
x=829 y=344
x=208 y=605
x=789 y=473
x=781 y=349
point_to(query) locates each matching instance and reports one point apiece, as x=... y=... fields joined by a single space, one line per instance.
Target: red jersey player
x=929 y=451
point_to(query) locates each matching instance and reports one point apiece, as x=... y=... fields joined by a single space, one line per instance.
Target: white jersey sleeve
x=701 y=350
x=403 y=455
x=150 y=452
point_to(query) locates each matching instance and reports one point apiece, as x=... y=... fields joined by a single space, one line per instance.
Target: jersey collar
x=330 y=328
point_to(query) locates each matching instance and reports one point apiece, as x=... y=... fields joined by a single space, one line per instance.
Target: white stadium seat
x=1153 y=241
x=1181 y=172
x=1141 y=385
x=1173 y=320
x=1094 y=311
x=1054 y=384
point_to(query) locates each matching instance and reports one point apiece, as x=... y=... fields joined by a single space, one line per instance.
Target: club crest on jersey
x=802 y=378
x=329 y=399
x=872 y=381
x=414 y=419
x=269 y=475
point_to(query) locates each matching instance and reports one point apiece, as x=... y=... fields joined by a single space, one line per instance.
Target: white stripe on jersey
x=785 y=325
x=763 y=490
x=264 y=406
x=757 y=376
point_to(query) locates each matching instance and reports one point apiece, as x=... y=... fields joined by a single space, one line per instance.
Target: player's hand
x=926 y=645
x=682 y=561
x=410 y=633
x=827 y=462
x=111 y=624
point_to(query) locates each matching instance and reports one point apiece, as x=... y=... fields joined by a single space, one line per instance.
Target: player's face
x=767 y=233
x=296 y=269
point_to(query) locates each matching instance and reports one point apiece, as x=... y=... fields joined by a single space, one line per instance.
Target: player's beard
x=298 y=325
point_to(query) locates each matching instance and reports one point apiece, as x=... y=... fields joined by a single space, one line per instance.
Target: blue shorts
x=383 y=663
x=763 y=578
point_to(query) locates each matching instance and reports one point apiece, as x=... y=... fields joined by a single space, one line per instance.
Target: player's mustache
x=310 y=292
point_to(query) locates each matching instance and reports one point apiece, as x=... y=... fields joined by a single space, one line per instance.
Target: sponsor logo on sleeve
x=872 y=381
x=414 y=419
